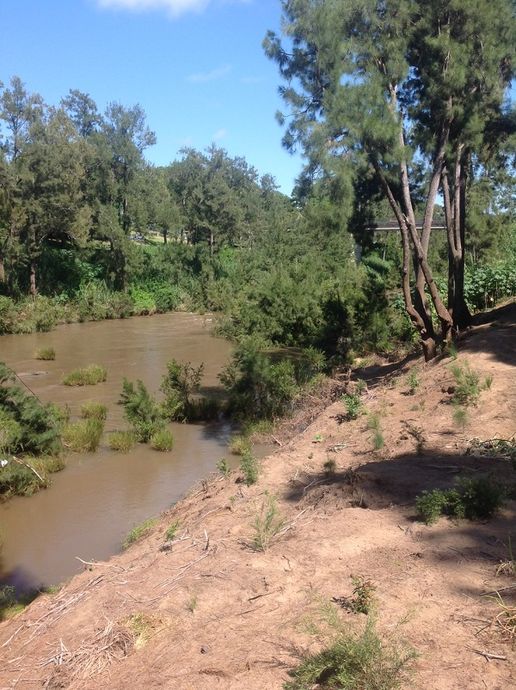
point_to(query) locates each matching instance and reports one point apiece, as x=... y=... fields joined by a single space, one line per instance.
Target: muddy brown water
x=94 y=502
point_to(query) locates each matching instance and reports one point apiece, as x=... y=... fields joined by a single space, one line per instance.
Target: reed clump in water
x=83 y=436
x=122 y=441
x=93 y=410
x=88 y=376
x=47 y=354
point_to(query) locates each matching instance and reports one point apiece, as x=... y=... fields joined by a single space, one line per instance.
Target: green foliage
x=46 y=354
x=139 y=532
x=353 y=405
x=223 y=467
x=88 y=376
x=262 y=383
x=27 y=426
x=413 y=382
x=267 y=523
x=374 y=424
x=250 y=467
x=361 y=601
x=468 y=385
x=83 y=436
x=171 y=532
x=354 y=662
x=239 y=444
x=179 y=384
x=474 y=498
x=122 y=441
x=162 y=439
x=142 y=412
x=94 y=410
x=485 y=285
x=143 y=300
x=460 y=416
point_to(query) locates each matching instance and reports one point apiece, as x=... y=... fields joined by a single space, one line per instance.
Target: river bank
x=209 y=609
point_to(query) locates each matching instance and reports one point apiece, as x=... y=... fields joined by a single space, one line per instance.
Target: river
x=94 y=502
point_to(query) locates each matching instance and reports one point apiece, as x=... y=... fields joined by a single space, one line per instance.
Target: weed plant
x=249 y=466
x=223 y=467
x=83 y=436
x=93 y=410
x=171 y=532
x=139 y=532
x=475 y=499
x=162 y=440
x=468 y=385
x=413 y=382
x=239 y=444
x=267 y=523
x=46 y=354
x=353 y=405
x=88 y=376
x=121 y=440
x=354 y=662
x=362 y=599
x=374 y=424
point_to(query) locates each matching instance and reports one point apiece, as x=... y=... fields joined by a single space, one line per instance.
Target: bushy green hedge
x=485 y=285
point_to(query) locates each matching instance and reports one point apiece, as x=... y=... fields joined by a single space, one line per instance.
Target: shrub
x=138 y=532
x=239 y=444
x=8 y=315
x=162 y=440
x=46 y=354
x=413 y=382
x=223 y=467
x=18 y=480
x=249 y=467
x=142 y=412
x=143 y=300
x=166 y=297
x=178 y=385
x=83 y=436
x=93 y=410
x=329 y=467
x=361 y=601
x=475 y=499
x=88 y=376
x=28 y=425
x=373 y=423
x=121 y=440
x=267 y=523
x=352 y=662
x=353 y=405
x=258 y=386
x=468 y=385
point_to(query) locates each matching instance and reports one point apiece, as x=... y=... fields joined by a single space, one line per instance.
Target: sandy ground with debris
x=207 y=611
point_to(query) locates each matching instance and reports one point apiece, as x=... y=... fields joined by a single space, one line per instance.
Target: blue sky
x=196 y=66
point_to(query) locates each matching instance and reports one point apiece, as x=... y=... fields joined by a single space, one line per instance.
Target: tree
x=51 y=173
x=387 y=87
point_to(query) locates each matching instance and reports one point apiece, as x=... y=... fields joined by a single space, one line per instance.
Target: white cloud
x=202 y=77
x=220 y=134
x=174 y=7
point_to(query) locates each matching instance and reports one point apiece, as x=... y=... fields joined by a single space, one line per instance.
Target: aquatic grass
x=171 y=532
x=122 y=441
x=138 y=532
x=93 y=410
x=162 y=440
x=83 y=436
x=88 y=376
x=239 y=445
x=47 y=354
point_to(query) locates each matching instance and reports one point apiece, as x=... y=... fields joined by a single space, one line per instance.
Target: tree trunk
x=32 y=284
x=2 y=270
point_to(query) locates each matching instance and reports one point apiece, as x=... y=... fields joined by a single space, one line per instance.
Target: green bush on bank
x=142 y=412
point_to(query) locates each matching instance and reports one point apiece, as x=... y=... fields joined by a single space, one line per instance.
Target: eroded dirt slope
x=207 y=611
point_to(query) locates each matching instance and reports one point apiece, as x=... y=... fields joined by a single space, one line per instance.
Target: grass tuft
x=249 y=466
x=94 y=410
x=46 y=354
x=88 y=376
x=139 y=532
x=83 y=436
x=162 y=440
x=267 y=523
x=122 y=441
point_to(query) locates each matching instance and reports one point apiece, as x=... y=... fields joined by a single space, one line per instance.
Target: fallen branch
x=489 y=655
